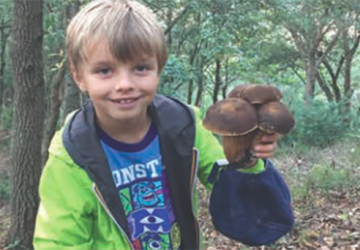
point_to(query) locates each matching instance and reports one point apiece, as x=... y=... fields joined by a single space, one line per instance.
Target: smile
x=125 y=100
x=149 y=197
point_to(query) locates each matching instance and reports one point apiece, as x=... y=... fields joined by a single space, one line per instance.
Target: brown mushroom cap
x=255 y=93
x=231 y=117
x=274 y=117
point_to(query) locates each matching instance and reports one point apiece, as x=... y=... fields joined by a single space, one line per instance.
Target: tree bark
x=324 y=87
x=200 y=84
x=27 y=60
x=169 y=17
x=71 y=97
x=227 y=80
x=310 y=79
x=4 y=34
x=191 y=81
x=72 y=100
x=55 y=104
x=349 y=56
x=217 y=80
x=54 y=90
x=334 y=78
x=308 y=46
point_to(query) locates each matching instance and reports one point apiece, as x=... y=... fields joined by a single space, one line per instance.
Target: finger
x=265 y=150
x=265 y=155
x=269 y=138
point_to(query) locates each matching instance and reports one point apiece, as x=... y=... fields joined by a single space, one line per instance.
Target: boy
x=121 y=173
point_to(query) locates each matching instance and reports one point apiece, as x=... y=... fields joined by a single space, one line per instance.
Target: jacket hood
x=80 y=135
x=174 y=122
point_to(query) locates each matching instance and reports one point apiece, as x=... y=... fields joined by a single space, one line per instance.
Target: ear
x=78 y=78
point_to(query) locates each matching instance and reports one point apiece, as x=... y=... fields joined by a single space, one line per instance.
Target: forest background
x=308 y=49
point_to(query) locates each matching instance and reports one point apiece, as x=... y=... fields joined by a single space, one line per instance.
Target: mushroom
x=256 y=94
x=248 y=112
x=234 y=120
x=273 y=117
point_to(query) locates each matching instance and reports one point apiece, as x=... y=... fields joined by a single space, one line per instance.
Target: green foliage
x=176 y=73
x=6 y=117
x=327 y=177
x=4 y=188
x=324 y=178
x=318 y=124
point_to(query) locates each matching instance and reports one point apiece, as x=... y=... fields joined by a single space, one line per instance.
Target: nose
x=124 y=81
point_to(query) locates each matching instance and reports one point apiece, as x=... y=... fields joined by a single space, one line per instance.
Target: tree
x=27 y=60
x=4 y=34
x=5 y=28
x=72 y=98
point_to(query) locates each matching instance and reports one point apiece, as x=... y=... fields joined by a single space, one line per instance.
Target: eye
x=155 y=245
x=152 y=220
x=104 y=71
x=141 y=68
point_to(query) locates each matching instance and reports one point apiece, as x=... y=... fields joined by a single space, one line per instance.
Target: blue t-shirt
x=140 y=179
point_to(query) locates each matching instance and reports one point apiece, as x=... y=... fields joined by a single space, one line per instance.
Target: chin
x=127 y=117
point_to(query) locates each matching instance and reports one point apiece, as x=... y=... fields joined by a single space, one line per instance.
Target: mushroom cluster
x=241 y=119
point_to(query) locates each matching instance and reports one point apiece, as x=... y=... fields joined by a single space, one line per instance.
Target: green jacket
x=80 y=208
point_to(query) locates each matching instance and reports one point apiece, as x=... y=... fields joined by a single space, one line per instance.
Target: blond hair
x=129 y=28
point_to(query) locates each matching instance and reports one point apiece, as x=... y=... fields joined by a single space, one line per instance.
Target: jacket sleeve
x=210 y=150
x=64 y=219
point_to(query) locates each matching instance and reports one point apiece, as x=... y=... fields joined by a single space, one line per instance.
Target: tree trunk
x=225 y=86
x=310 y=79
x=191 y=81
x=217 y=80
x=72 y=94
x=199 y=92
x=27 y=60
x=349 y=56
x=54 y=91
x=55 y=104
x=169 y=17
x=200 y=84
x=190 y=91
x=4 y=34
x=334 y=78
x=71 y=97
x=324 y=87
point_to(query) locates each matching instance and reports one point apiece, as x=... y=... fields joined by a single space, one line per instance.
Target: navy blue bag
x=254 y=209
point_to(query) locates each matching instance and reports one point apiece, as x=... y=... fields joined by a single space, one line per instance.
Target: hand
x=267 y=146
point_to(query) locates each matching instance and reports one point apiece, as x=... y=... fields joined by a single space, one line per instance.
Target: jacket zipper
x=194 y=169
x=101 y=199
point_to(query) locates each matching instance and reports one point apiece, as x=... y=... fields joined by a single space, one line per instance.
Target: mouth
x=123 y=101
x=149 y=197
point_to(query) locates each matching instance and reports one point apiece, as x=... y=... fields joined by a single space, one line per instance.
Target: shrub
x=318 y=124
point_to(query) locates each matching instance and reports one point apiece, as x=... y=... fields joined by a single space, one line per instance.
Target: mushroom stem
x=236 y=146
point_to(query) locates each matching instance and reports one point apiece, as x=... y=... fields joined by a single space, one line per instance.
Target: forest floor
x=325 y=185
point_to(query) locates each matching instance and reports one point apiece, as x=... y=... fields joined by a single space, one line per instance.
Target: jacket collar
x=173 y=122
x=81 y=140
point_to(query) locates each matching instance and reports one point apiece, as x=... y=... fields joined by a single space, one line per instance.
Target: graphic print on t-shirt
x=140 y=179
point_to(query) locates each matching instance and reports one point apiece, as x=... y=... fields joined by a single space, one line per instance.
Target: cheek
x=155 y=83
x=151 y=85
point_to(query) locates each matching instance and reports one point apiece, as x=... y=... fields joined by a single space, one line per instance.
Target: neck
x=131 y=131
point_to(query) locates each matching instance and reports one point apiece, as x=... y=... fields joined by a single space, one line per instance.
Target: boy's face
x=120 y=91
